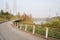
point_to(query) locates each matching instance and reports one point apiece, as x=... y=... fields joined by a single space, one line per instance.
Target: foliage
x=52 y=23
x=23 y=27
x=30 y=28
x=25 y=18
x=5 y=16
x=40 y=30
x=54 y=33
x=54 y=27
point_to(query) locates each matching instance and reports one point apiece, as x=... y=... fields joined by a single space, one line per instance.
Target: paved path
x=9 y=33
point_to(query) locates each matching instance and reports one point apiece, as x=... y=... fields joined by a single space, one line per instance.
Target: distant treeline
x=4 y=16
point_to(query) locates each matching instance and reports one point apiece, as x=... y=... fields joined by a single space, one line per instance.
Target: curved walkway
x=7 y=32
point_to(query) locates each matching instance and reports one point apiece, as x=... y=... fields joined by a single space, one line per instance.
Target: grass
x=53 y=32
x=2 y=20
x=23 y=27
x=30 y=28
x=40 y=30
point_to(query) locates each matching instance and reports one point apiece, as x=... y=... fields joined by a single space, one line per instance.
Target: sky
x=38 y=8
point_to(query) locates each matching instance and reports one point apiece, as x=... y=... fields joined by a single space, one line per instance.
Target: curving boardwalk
x=9 y=33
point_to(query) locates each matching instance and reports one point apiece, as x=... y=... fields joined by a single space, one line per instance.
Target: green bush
x=30 y=28
x=23 y=27
x=6 y=16
x=40 y=30
x=54 y=33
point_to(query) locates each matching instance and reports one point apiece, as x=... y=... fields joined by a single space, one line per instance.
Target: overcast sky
x=38 y=8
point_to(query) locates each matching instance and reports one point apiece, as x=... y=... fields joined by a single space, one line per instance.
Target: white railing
x=26 y=26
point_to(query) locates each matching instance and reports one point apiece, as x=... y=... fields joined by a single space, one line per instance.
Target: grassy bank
x=53 y=32
x=6 y=16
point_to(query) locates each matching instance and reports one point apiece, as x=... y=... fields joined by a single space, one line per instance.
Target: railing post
x=46 y=32
x=25 y=27
x=13 y=23
x=20 y=26
x=33 y=29
x=17 y=25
